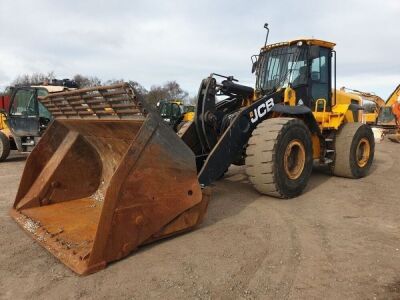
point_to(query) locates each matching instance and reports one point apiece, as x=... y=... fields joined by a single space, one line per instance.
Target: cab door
x=23 y=117
x=320 y=78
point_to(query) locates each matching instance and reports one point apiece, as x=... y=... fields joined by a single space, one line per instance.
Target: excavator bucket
x=107 y=177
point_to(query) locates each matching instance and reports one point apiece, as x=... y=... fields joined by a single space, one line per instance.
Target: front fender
x=299 y=111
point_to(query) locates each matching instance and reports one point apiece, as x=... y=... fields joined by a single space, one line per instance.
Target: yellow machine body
x=339 y=113
x=3 y=126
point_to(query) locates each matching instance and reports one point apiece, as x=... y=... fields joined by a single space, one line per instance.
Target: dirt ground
x=339 y=240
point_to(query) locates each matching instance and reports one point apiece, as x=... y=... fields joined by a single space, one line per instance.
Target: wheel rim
x=294 y=159
x=363 y=152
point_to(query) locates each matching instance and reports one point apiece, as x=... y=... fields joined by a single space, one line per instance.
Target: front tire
x=354 y=150
x=279 y=157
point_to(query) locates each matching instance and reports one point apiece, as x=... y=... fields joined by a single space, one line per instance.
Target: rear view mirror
x=254 y=60
x=254 y=66
x=314 y=52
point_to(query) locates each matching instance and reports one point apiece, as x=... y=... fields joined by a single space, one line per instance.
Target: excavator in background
x=24 y=119
x=109 y=175
x=383 y=116
x=371 y=104
x=389 y=117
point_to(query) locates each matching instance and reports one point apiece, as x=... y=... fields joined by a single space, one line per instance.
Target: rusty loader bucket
x=106 y=177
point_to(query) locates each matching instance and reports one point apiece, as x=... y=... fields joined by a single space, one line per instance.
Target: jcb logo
x=261 y=110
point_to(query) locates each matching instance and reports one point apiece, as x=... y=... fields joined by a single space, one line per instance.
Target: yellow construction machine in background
x=5 y=136
x=389 y=117
x=25 y=119
x=383 y=116
x=371 y=104
x=175 y=113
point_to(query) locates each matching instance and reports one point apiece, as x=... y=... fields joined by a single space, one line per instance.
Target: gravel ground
x=339 y=240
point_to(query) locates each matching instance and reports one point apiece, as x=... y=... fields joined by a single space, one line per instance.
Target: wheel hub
x=294 y=159
x=363 y=152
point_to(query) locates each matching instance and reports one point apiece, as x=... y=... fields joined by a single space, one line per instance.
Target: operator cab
x=27 y=117
x=26 y=113
x=304 y=65
x=171 y=112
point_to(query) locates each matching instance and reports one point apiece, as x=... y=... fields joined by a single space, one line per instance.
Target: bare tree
x=169 y=91
x=35 y=78
x=140 y=90
x=175 y=91
x=86 y=81
x=156 y=93
x=113 y=81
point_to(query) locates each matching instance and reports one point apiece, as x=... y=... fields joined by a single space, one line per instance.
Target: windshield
x=188 y=108
x=369 y=106
x=280 y=66
x=386 y=115
x=24 y=103
x=170 y=110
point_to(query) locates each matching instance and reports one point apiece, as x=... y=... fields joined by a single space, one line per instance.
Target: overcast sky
x=155 y=41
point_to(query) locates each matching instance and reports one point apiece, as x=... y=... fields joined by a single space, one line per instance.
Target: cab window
x=24 y=103
x=43 y=112
x=176 y=110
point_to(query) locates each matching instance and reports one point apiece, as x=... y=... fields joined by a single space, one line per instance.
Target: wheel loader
x=24 y=119
x=109 y=175
x=175 y=113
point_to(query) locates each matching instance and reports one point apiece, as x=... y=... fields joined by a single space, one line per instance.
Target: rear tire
x=4 y=146
x=354 y=150
x=279 y=157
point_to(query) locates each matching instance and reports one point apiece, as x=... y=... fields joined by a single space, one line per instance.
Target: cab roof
x=308 y=41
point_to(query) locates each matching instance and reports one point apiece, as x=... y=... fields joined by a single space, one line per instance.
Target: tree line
x=170 y=90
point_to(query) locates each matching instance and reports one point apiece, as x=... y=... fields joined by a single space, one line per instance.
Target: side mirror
x=314 y=52
x=254 y=60
x=254 y=66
